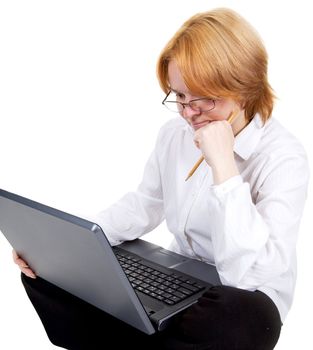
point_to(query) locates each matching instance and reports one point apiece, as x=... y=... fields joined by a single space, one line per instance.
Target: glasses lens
x=203 y=104
x=173 y=106
x=172 y=102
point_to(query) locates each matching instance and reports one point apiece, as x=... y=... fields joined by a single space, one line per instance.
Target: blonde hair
x=219 y=54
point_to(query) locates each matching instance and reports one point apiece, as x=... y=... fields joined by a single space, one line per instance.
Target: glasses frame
x=184 y=104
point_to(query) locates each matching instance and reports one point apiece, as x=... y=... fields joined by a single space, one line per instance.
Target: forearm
x=132 y=216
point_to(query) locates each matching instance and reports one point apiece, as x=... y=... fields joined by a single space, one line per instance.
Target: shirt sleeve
x=138 y=212
x=254 y=239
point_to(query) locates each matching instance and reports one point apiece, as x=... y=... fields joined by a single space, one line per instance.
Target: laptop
x=137 y=282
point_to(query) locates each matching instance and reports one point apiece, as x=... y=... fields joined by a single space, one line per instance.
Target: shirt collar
x=188 y=128
x=247 y=140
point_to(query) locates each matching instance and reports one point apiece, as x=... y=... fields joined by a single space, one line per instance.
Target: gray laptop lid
x=44 y=236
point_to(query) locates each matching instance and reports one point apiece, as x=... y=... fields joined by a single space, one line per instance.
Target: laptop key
x=190 y=287
x=185 y=291
x=179 y=295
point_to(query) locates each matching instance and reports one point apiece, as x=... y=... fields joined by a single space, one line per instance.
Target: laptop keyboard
x=169 y=288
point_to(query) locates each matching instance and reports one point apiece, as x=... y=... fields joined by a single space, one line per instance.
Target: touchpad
x=165 y=258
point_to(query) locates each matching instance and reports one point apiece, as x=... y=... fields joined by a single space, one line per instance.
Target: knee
x=252 y=319
x=268 y=321
x=230 y=318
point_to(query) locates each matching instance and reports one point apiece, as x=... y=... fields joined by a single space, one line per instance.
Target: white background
x=80 y=110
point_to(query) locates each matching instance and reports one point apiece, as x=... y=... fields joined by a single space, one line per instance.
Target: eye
x=179 y=96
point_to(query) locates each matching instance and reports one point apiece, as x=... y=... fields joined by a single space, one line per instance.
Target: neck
x=239 y=123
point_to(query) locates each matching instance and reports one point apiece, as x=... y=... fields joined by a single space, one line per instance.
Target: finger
x=24 y=267
x=18 y=260
x=28 y=272
x=197 y=140
x=197 y=144
x=14 y=254
x=21 y=263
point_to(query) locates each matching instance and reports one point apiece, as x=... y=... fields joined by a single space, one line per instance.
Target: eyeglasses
x=198 y=105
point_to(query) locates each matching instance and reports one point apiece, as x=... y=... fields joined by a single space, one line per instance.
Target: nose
x=188 y=113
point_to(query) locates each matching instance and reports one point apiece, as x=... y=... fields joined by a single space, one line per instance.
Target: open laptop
x=138 y=282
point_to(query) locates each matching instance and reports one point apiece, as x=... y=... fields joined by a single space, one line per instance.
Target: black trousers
x=224 y=318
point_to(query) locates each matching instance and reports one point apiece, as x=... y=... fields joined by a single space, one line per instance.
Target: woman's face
x=197 y=119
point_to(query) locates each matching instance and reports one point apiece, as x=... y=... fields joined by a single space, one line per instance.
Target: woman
x=240 y=210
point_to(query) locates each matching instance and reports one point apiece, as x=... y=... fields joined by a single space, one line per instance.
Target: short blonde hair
x=219 y=54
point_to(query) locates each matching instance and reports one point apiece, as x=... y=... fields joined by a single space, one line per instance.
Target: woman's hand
x=23 y=265
x=216 y=141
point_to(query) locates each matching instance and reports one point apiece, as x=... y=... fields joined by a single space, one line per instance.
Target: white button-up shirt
x=246 y=226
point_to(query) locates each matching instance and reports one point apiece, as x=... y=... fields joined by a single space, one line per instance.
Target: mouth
x=197 y=126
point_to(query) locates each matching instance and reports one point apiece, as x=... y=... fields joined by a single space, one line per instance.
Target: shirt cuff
x=227 y=186
x=106 y=228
